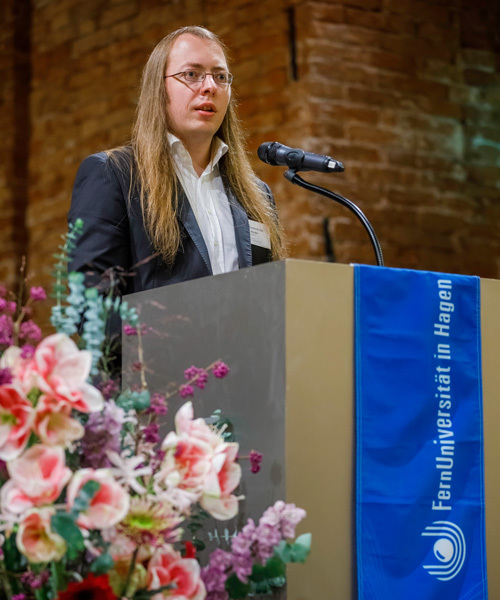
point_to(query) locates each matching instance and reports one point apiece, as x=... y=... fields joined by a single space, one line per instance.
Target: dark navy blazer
x=114 y=233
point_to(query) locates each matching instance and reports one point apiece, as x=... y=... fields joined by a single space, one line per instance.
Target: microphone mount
x=291 y=175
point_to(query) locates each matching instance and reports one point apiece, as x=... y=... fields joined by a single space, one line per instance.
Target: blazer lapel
x=241 y=230
x=187 y=218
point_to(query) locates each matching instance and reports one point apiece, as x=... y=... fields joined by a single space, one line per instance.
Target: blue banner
x=420 y=489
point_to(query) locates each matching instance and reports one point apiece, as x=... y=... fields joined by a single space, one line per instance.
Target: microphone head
x=263 y=152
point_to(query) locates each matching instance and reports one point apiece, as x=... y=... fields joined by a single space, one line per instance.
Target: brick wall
x=405 y=92
x=15 y=128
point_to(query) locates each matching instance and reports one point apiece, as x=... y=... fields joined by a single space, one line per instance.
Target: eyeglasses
x=221 y=78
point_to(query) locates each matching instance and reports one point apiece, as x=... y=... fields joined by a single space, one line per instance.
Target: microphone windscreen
x=263 y=150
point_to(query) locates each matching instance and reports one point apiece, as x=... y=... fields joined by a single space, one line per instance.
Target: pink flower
x=53 y=423
x=16 y=417
x=109 y=505
x=36 y=540
x=61 y=371
x=199 y=462
x=167 y=566
x=36 y=478
x=196 y=428
x=221 y=503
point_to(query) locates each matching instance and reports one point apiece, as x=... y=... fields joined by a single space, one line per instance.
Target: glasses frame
x=205 y=73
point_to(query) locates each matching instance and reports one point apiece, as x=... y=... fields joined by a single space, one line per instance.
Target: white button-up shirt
x=210 y=204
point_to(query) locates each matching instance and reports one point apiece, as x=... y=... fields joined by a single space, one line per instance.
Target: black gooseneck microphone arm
x=292 y=176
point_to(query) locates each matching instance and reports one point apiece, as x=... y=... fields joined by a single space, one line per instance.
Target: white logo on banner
x=449 y=549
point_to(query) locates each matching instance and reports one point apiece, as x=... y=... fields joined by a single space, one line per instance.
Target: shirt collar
x=181 y=155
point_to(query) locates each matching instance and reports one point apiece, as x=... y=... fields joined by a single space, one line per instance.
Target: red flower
x=92 y=588
x=189 y=550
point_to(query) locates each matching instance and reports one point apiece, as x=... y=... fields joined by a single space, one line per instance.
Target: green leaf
x=142 y=400
x=64 y=525
x=302 y=547
x=275 y=567
x=296 y=552
x=102 y=564
x=199 y=545
x=283 y=551
x=277 y=582
x=262 y=588
x=12 y=557
x=145 y=594
x=264 y=577
x=259 y=573
x=236 y=588
x=84 y=498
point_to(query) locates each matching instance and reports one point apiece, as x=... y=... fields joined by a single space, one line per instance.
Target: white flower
x=126 y=470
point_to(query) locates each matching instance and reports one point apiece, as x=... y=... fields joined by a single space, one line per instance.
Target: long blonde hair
x=154 y=167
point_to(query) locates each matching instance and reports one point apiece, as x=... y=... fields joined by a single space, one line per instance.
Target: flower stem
x=130 y=572
x=58 y=579
x=140 y=351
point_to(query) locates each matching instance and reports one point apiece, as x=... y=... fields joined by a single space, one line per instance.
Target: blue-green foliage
x=80 y=306
x=94 y=326
x=59 y=319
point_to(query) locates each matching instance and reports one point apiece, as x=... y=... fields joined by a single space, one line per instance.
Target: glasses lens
x=194 y=75
x=222 y=78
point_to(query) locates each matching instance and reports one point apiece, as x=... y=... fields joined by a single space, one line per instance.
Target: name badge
x=259 y=234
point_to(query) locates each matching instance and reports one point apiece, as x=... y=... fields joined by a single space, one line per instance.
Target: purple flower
x=158 y=405
x=5 y=376
x=156 y=460
x=214 y=575
x=200 y=376
x=108 y=388
x=186 y=390
x=129 y=330
x=242 y=548
x=191 y=372
x=27 y=351
x=151 y=433
x=38 y=293
x=102 y=433
x=19 y=597
x=268 y=537
x=286 y=516
x=255 y=460
x=34 y=580
x=220 y=370
x=11 y=307
x=3 y=303
x=30 y=330
x=6 y=330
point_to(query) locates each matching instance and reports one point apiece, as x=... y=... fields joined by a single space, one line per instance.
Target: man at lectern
x=181 y=201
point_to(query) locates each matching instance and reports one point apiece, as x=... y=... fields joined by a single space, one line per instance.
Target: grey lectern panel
x=240 y=319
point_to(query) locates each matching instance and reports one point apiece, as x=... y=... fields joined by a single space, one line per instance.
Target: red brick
x=402 y=91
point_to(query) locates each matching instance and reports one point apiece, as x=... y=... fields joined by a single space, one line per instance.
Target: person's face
x=195 y=110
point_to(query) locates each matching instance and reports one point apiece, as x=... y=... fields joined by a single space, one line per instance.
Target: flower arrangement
x=94 y=502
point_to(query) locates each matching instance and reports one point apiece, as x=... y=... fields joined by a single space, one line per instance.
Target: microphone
x=274 y=153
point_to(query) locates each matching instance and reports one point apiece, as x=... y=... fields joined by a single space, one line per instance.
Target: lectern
x=286 y=331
